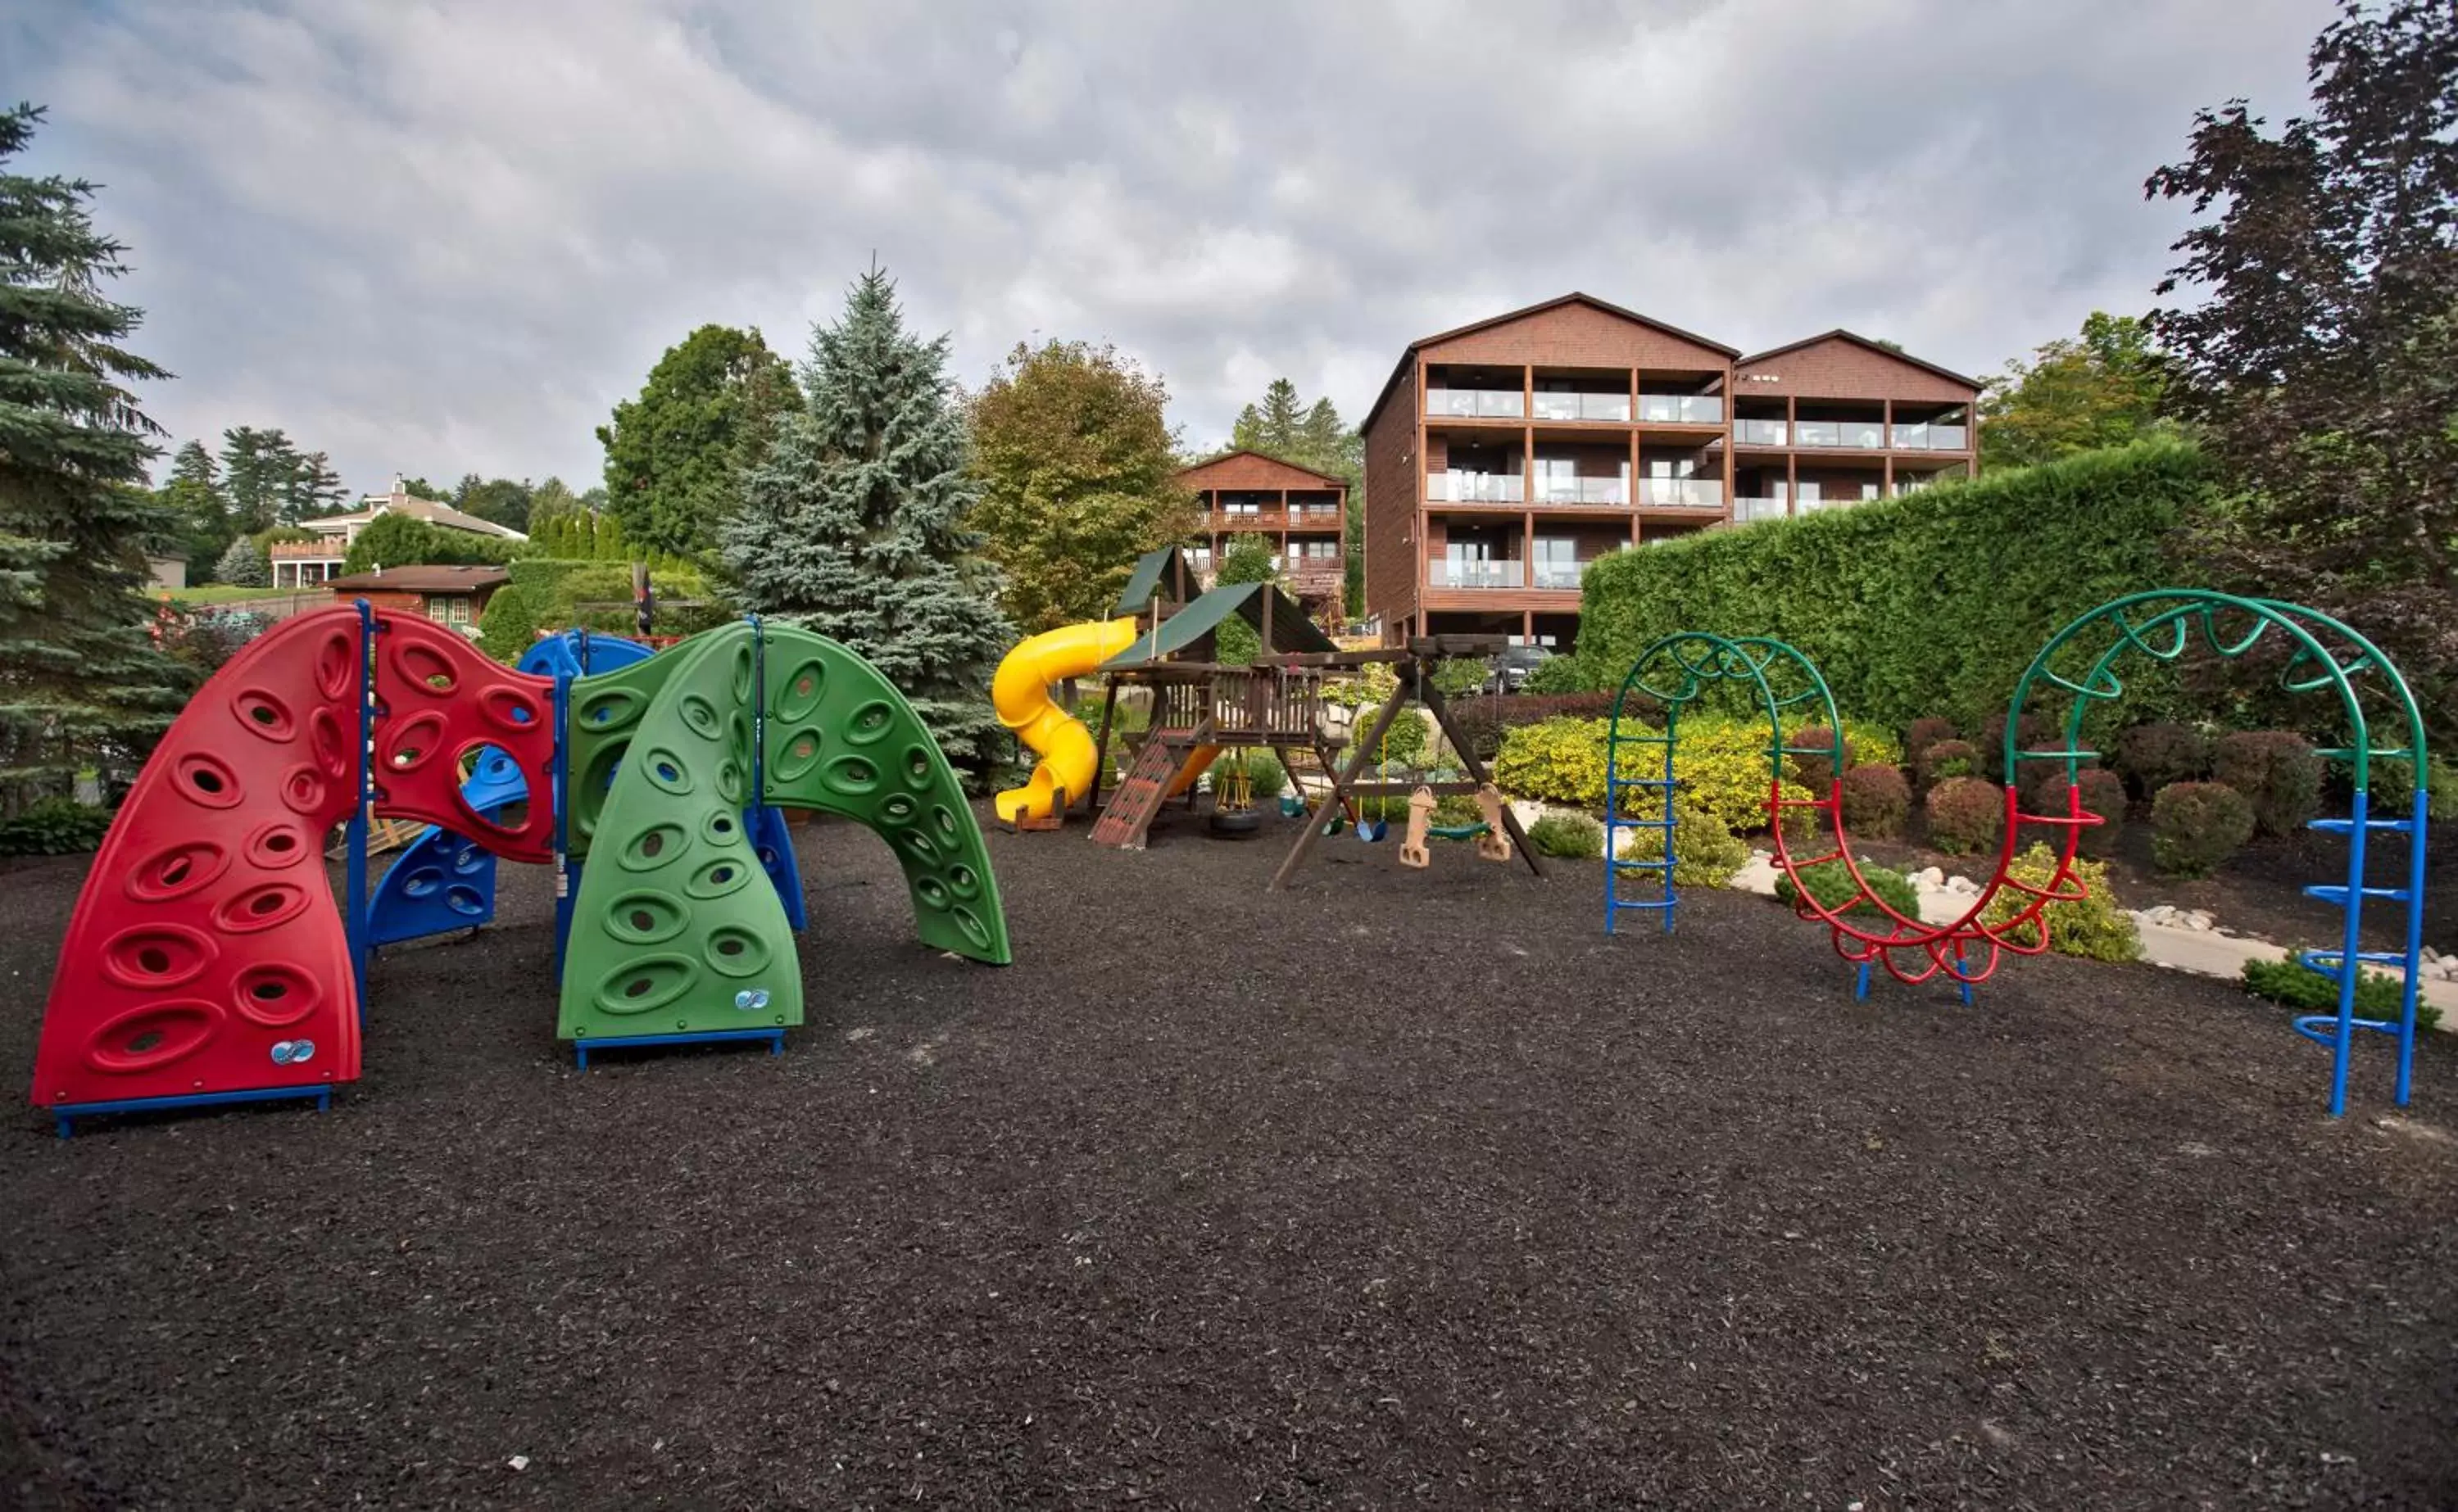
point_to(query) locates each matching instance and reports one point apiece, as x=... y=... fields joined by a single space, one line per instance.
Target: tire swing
x=1233 y=799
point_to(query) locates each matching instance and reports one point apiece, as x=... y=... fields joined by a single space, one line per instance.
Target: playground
x=1396 y=1187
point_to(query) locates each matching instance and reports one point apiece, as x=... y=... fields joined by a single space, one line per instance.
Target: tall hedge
x=1931 y=603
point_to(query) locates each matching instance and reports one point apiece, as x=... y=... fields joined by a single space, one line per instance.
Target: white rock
x=1963 y=886
x=1930 y=876
x=518 y=1461
x=2198 y=919
x=1922 y=885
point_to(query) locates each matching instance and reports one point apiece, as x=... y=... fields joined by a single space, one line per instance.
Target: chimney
x=379 y=570
x=400 y=495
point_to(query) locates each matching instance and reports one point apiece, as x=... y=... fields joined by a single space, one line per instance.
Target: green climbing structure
x=674 y=930
x=840 y=738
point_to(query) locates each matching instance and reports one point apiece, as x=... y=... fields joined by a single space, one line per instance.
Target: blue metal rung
x=62 y=1113
x=580 y=1048
x=1654 y=902
x=2380 y=958
x=2322 y=1028
x=2347 y=826
x=2333 y=893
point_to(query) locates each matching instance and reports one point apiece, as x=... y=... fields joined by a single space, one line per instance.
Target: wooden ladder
x=1129 y=813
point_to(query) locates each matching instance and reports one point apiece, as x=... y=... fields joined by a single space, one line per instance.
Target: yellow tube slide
x=1020 y=693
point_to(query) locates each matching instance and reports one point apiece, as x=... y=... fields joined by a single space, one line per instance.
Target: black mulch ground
x=1403 y=1189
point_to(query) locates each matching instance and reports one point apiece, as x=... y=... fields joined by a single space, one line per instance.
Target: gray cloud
x=443 y=237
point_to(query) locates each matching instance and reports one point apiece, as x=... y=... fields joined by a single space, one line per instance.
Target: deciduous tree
x=1076 y=462
x=2319 y=353
x=674 y=455
x=2075 y=394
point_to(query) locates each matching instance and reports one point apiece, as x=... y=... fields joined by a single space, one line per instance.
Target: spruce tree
x=81 y=682
x=855 y=525
x=244 y=565
x=194 y=496
x=259 y=469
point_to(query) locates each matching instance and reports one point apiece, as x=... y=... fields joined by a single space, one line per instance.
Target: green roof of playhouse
x=1291 y=630
x=1151 y=573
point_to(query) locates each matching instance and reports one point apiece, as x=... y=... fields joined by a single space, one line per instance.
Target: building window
x=456 y=610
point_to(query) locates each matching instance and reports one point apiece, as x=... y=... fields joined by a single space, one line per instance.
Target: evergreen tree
x=81 y=682
x=1077 y=466
x=1278 y=428
x=315 y=490
x=855 y=525
x=194 y=496
x=260 y=474
x=421 y=488
x=1313 y=436
x=244 y=565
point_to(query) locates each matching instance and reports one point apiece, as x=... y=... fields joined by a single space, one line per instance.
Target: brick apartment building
x=1504 y=456
x=1301 y=512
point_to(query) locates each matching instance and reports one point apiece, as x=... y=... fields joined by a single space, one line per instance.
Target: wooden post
x=1340 y=782
x=1434 y=700
x=1101 y=749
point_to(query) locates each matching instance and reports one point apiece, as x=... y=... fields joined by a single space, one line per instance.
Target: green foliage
x=1404 y=746
x=1705 y=854
x=1457 y=676
x=1947 y=758
x=2095 y=927
x=2197 y=827
x=401 y=540
x=1313 y=436
x=1929 y=603
x=1265 y=773
x=1722 y=767
x=202 y=641
x=1568 y=836
x=2392 y=787
x=1831 y=883
x=2278 y=773
x=81 y=682
x=1244 y=559
x=2379 y=995
x=244 y=565
x=1558 y=761
x=1966 y=814
x=2154 y=755
x=1557 y=674
x=677 y=454
x=499 y=501
x=857 y=524
x=2103 y=793
x=55 y=827
x=1877 y=801
x=1077 y=466
x=1924 y=732
x=546 y=594
x=2075 y=395
x=2313 y=337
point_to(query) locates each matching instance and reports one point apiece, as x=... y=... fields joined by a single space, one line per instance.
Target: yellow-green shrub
x=1722 y=767
x=1557 y=761
x=1704 y=853
x=2096 y=929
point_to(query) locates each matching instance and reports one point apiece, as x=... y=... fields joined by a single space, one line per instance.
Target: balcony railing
x=1475 y=575
x=1476 y=488
x=1681 y=409
x=1814 y=506
x=1582 y=406
x=1240 y=522
x=1556 y=574
x=319 y=551
x=1581 y=490
x=1758 y=510
x=1932 y=438
x=1681 y=494
x=1865 y=435
x=1488 y=403
x=1759 y=432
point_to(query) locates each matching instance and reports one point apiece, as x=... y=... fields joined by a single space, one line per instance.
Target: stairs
x=1129 y=813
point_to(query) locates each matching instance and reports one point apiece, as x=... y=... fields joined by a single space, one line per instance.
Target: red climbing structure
x=206 y=959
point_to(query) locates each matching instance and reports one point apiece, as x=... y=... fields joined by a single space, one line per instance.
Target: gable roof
x=1575 y=297
x=1291 y=630
x=1839 y=334
x=427 y=578
x=428 y=510
x=1261 y=456
x=1151 y=572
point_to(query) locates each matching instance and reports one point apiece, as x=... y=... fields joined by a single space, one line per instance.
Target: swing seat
x=1292 y=807
x=1457 y=832
x=1372 y=830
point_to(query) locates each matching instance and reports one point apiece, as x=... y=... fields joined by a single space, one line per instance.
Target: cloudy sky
x=438 y=237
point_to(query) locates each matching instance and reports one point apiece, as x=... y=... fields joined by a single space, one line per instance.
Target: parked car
x=1512 y=668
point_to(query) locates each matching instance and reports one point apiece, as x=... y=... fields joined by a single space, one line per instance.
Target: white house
x=304 y=564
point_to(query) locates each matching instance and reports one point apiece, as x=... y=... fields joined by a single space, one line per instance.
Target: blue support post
x=580 y=1048
x=567 y=881
x=65 y=1115
x=2350 y=967
x=2414 y=935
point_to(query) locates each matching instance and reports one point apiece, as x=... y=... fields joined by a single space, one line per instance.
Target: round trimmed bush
x=2197 y=827
x=1830 y=882
x=1921 y=733
x=2038 y=732
x=1876 y=802
x=1812 y=763
x=1705 y=854
x=1966 y=815
x=1944 y=759
x=1568 y=836
x=2279 y=774
x=2103 y=793
x=2149 y=757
